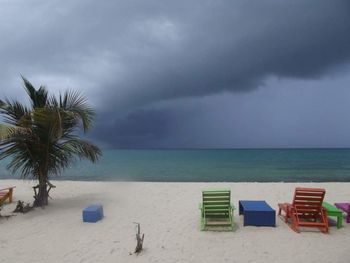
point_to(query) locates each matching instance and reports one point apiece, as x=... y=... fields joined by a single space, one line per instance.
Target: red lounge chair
x=5 y=194
x=306 y=209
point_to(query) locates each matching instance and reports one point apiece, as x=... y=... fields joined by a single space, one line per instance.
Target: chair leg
x=324 y=219
x=286 y=216
x=294 y=226
x=202 y=224
x=325 y=230
x=232 y=220
x=296 y=229
x=294 y=220
x=339 y=221
x=10 y=195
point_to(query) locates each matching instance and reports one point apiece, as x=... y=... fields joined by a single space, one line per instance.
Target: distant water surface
x=233 y=165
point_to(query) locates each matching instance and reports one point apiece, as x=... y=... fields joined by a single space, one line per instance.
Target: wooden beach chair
x=216 y=209
x=306 y=209
x=5 y=194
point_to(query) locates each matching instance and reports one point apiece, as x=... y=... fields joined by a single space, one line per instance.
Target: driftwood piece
x=22 y=208
x=139 y=239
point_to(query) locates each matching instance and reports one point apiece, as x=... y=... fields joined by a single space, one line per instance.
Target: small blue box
x=257 y=213
x=93 y=213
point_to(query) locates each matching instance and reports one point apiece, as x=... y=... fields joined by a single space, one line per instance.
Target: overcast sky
x=218 y=73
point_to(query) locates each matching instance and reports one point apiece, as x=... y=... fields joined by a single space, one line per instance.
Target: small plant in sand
x=139 y=239
x=43 y=139
x=22 y=208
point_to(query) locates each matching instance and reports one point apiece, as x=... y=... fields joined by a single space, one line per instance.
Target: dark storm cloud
x=234 y=45
x=128 y=56
x=140 y=52
x=139 y=129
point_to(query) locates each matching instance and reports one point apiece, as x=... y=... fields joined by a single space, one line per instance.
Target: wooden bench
x=333 y=211
x=216 y=209
x=5 y=194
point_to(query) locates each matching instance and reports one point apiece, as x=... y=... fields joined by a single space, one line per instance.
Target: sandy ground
x=169 y=217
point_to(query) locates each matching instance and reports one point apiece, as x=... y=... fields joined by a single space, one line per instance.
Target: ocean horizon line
x=245 y=148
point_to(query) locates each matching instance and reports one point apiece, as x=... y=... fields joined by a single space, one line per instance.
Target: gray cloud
x=130 y=56
x=139 y=129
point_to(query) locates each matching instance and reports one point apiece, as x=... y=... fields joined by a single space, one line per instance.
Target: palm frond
x=6 y=131
x=82 y=149
x=14 y=112
x=38 y=97
x=21 y=145
x=47 y=124
x=77 y=108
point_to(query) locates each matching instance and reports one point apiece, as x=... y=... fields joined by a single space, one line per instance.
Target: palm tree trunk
x=41 y=197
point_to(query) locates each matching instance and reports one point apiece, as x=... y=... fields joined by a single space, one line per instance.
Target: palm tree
x=43 y=139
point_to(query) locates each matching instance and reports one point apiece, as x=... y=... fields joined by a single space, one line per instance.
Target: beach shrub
x=43 y=139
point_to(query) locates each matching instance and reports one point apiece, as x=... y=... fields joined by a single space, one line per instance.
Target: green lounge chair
x=216 y=209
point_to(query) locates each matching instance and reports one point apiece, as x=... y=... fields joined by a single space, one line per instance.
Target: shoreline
x=183 y=182
x=169 y=217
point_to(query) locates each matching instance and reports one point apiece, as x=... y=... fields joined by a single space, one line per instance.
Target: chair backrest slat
x=308 y=198
x=218 y=197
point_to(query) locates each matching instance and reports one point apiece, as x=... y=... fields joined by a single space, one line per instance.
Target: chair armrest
x=8 y=188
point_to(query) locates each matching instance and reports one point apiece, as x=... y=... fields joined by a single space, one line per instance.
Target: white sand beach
x=169 y=217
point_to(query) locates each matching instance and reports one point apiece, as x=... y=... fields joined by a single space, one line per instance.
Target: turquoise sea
x=232 y=165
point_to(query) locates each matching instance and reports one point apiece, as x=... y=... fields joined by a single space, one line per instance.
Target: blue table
x=93 y=213
x=257 y=213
